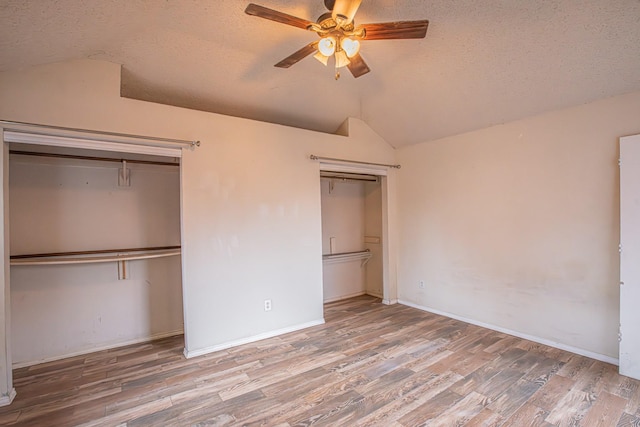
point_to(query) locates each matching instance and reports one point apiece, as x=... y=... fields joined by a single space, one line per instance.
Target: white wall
x=343 y=218
x=517 y=225
x=251 y=225
x=59 y=205
x=343 y=215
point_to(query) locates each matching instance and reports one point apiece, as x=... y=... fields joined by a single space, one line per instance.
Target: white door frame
x=629 y=256
x=387 y=184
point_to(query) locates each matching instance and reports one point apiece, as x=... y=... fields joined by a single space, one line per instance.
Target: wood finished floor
x=369 y=365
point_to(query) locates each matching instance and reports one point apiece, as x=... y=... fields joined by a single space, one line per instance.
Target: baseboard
x=100 y=348
x=389 y=301
x=6 y=399
x=374 y=294
x=571 y=349
x=254 y=338
x=343 y=297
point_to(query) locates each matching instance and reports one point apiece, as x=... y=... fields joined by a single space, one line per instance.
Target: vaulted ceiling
x=483 y=62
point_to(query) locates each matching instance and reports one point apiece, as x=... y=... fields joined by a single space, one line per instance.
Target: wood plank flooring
x=369 y=365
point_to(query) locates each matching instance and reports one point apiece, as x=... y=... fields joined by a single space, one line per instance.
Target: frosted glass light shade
x=350 y=46
x=341 y=59
x=327 y=46
x=322 y=58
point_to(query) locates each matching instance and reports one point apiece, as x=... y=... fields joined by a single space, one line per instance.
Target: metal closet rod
x=347 y=179
x=101 y=159
x=103 y=133
x=314 y=157
x=96 y=252
x=347 y=254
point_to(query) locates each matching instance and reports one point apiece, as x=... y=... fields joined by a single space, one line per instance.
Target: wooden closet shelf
x=365 y=256
x=98 y=256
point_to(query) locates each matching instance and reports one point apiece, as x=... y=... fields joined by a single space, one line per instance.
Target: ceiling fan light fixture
x=339 y=35
x=341 y=59
x=322 y=58
x=350 y=46
x=327 y=46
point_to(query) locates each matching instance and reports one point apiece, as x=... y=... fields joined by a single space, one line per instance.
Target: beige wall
x=251 y=227
x=517 y=226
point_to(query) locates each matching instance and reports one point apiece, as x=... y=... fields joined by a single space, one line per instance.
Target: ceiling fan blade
x=298 y=56
x=329 y=4
x=396 y=30
x=344 y=10
x=357 y=66
x=274 y=15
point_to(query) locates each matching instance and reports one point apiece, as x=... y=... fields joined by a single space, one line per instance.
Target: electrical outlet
x=421 y=284
x=267 y=305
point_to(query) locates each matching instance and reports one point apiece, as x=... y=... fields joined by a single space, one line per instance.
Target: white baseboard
x=390 y=301
x=254 y=338
x=98 y=348
x=6 y=399
x=340 y=298
x=571 y=349
x=374 y=294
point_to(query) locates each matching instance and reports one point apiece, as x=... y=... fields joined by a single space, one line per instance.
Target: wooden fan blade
x=274 y=15
x=344 y=10
x=357 y=66
x=298 y=56
x=396 y=30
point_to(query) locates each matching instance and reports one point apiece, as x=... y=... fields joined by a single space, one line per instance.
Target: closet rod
x=347 y=179
x=103 y=133
x=119 y=258
x=347 y=254
x=96 y=252
x=364 y=256
x=314 y=157
x=101 y=159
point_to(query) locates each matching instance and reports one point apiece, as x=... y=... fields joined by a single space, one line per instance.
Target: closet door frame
x=7 y=391
x=629 y=351
x=387 y=184
x=67 y=139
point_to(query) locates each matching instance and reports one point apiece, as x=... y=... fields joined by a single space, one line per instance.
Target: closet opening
x=95 y=250
x=352 y=234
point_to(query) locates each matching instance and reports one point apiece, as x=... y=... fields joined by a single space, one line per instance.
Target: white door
x=630 y=256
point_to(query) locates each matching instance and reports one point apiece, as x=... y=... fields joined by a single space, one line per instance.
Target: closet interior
x=95 y=250
x=351 y=235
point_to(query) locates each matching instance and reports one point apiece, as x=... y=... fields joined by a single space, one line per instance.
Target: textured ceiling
x=483 y=62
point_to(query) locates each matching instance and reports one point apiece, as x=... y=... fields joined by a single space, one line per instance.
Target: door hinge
x=620 y=248
x=619 y=162
x=620 y=334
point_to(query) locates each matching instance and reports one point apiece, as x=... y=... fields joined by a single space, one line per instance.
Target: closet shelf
x=88 y=257
x=364 y=256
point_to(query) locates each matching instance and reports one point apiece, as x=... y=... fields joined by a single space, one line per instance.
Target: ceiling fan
x=339 y=35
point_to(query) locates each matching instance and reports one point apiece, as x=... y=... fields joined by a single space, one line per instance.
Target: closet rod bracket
x=124 y=175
